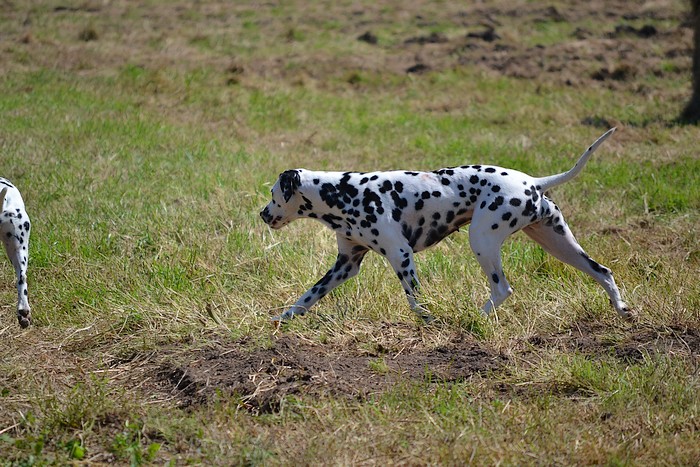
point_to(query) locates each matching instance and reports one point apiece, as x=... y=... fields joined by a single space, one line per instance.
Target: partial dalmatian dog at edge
x=399 y=213
x=14 y=231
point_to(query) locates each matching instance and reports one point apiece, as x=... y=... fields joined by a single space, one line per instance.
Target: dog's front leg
x=401 y=259
x=346 y=266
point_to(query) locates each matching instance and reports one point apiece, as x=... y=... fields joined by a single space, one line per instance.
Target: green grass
x=144 y=165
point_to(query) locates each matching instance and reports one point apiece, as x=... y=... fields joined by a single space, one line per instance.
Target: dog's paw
x=626 y=312
x=425 y=317
x=24 y=316
x=629 y=314
x=24 y=321
x=279 y=320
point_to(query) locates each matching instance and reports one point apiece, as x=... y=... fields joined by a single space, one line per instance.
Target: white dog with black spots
x=14 y=231
x=399 y=213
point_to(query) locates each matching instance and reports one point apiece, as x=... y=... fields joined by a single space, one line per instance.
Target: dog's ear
x=289 y=182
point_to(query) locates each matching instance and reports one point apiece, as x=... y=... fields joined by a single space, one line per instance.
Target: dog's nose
x=265 y=215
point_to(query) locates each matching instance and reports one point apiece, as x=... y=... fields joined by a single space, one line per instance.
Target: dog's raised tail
x=545 y=183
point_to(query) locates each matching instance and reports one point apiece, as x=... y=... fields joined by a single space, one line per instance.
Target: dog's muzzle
x=266 y=216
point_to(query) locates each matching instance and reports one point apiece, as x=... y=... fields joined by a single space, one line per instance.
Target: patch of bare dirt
x=500 y=37
x=629 y=39
x=294 y=366
x=592 y=338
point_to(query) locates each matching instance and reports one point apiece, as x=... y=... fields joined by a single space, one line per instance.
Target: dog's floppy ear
x=289 y=182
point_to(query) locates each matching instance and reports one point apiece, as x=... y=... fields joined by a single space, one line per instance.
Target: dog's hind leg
x=16 y=239
x=556 y=238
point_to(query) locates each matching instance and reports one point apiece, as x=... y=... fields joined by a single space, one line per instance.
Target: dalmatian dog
x=399 y=213
x=14 y=230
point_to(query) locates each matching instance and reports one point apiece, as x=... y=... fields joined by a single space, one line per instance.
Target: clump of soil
x=262 y=377
x=88 y=34
x=644 y=32
x=432 y=38
x=418 y=68
x=488 y=35
x=622 y=72
x=368 y=37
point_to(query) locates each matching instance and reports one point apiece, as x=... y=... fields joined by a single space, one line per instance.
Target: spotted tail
x=553 y=180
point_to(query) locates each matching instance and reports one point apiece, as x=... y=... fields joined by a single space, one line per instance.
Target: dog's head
x=280 y=211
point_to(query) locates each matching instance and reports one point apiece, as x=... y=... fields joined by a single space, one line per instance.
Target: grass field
x=145 y=137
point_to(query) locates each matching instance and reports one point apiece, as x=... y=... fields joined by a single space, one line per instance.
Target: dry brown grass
x=146 y=151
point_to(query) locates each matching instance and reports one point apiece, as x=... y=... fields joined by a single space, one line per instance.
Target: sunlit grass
x=144 y=158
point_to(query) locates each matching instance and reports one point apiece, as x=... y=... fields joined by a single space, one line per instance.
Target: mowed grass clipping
x=145 y=138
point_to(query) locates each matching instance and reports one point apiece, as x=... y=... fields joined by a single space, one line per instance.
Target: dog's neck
x=326 y=197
